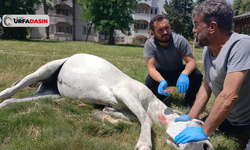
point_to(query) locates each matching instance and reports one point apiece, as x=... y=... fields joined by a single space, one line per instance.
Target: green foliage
x=20 y=7
x=241 y=6
x=179 y=15
x=15 y=33
x=47 y=4
x=109 y=15
x=17 y=7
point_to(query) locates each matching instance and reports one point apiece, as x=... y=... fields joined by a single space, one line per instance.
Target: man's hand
x=183 y=83
x=182 y=118
x=190 y=134
x=162 y=86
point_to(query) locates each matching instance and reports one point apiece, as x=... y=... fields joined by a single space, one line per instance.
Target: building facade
x=62 y=22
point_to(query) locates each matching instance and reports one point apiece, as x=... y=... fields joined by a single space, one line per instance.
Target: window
x=153 y=10
x=51 y=28
x=65 y=29
x=137 y=10
x=65 y=12
x=138 y=26
x=141 y=25
x=122 y=39
x=94 y=30
x=142 y=11
x=84 y=30
x=117 y=39
x=103 y=33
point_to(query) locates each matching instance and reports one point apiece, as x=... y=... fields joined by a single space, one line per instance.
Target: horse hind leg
x=32 y=86
x=41 y=74
x=47 y=89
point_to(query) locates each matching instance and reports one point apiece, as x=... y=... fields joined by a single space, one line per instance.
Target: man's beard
x=163 y=40
x=202 y=39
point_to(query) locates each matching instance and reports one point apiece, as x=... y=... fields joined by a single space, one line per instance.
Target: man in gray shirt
x=164 y=54
x=226 y=58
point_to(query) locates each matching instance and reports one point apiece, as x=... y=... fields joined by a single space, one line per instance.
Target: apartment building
x=62 y=22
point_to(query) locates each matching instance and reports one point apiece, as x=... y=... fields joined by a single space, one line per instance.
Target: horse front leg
x=131 y=101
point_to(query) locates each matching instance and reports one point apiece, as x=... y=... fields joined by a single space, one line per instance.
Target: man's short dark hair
x=157 y=18
x=219 y=11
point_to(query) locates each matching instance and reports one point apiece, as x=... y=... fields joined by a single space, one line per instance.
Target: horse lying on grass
x=94 y=80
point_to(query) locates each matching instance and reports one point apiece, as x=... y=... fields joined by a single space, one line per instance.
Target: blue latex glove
x=183 y=83
x=182 y=118
x=162 y=86
x=190 y=134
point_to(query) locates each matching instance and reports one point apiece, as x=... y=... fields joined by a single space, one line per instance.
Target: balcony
x=65 y=2
x=63 y=36
x=145 y=33
x=146 y=17
x=149 y=2
x=54 y=19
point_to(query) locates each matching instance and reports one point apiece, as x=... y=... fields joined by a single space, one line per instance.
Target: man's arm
x=190 y=64
x=201 y=100
x=225 y=101
x=152 y=70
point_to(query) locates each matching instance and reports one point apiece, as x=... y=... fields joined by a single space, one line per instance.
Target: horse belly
x=88 y=78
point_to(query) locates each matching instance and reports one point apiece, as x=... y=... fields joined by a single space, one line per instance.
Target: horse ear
x=163 y=120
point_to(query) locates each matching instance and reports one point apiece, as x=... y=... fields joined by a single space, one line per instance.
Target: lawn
x=67 y=124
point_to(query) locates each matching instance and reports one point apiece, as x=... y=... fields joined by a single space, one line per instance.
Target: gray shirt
x=233 y=57
x=171 y=58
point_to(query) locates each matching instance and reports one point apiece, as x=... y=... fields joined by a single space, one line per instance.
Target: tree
x=86 y=15
x=109 y=15
x=179 y=15
x=19 y=7
x=47 y=5
x=73 y=16
x=241 y=6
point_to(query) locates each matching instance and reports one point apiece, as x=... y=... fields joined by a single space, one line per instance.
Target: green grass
x=66 y=124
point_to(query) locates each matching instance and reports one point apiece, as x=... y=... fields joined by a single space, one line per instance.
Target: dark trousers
x=195 y=79
x=228 y=128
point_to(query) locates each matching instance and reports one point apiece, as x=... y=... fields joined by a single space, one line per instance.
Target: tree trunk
x=73 y=26
x=111 y=37
x=47 y=32
x=89 y=30
x=6 y=33
x=46 y=28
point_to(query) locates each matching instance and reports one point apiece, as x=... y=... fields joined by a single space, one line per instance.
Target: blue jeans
x=195 y=79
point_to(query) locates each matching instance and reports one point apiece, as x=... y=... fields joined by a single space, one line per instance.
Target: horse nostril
x=206 y=147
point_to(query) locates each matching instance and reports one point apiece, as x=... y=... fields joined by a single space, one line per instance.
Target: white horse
x=94 y=80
